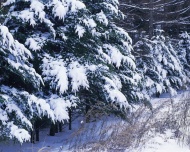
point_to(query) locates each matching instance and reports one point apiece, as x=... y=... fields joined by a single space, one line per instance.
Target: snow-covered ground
x=162 y=143
x=84 y=135
x=165 y=142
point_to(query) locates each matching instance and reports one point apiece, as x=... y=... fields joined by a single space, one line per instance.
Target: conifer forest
x=123 y=62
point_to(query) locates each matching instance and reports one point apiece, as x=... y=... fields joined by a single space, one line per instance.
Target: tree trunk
x=157 y=94
x=52 y=130
x=37 y=130
x=70 y=119
x=32 y=133
x=32 y=139
x=151 y=28
x=60 y=127
x=87 y=113
x=56 y=127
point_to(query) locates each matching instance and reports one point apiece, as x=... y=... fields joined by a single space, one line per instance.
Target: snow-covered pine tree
x=146 y=65
x=158 y=62
x=79 y=50
x=17 y=106
x=183 y=48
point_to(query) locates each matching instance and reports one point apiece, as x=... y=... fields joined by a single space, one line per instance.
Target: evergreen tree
x=17 y=106
x=80 y=52
x=158 y=62
x=183 y=48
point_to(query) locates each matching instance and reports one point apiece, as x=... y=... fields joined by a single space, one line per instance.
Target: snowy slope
x=167 y=141
x=90 y=136
x=162 y=143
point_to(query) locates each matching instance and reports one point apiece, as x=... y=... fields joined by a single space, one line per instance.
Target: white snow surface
x=162 y=143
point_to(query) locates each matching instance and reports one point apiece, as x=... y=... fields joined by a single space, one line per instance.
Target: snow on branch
x=114 y=93
x=78 y=76
x=61 y=8
x=55 y=72
x=17 y=55
x=60 y=106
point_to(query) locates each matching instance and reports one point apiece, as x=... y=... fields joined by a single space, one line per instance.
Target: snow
x=149 y=82
x=21 y=134
x=16 y=48
x=17 y=56
x=33 y=45
x=76 y=5
x=60 y=107
x=78 y=76
x=80 y=30
x=3 y=117
x=71 y=74
x=27 y=16
x=92 y=68
x=172 y=91
x=54 y=70
x=115 y=55
x=117 y=82
x=57 y=73
x=184 y=35
x=90 y=23
x=111 y=8
x=12 y=107
x=128 y=79
x=42 y=106
x=114 y=94
x=8 y=2
x=101 y=17
x=125 y=35
x=60 y=10
x=38 y=8
x=163 y=143
x=100 y=130
x=159 y=88
x=103 y=55
x=130 y=62
x=6 y=35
